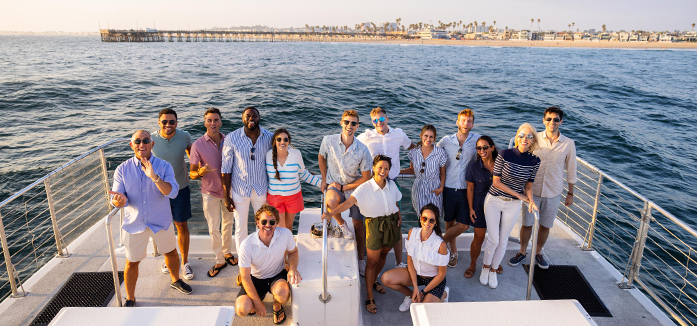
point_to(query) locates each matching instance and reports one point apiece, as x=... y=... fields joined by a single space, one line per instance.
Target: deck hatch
x=567 y=282
x=92 y=289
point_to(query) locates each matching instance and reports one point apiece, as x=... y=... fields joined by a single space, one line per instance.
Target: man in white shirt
x=262 y=266
x=384 y=140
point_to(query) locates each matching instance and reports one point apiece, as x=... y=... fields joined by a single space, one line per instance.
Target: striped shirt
x=515 y=169
x=290 y=173
x=247 y=174
x=455 y=168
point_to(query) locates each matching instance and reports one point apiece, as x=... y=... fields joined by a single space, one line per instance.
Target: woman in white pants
x=514 y=173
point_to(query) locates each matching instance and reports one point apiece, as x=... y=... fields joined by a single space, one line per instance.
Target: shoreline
x=548 y=44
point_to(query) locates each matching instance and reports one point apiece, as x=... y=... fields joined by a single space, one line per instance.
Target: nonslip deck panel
x=92 y=289
x=567 y=282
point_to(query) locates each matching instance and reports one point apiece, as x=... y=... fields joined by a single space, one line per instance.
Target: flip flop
x=278 y=313
x=500 y=270
x=378 y=287
x=373 y=309
x=215 y=270
x=229 y=260
x=470 y=272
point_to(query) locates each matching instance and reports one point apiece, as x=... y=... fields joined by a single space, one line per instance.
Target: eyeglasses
x=271 y=222
x=423 y=167
x=145 y=141
x=171 y=122
x=550 y=119
x=522 y=135
x=251 y=156
x=425 y=219
x=282 y=139
x=485 y=147
x=380 y=119
x=346 y=123
x=459 y=152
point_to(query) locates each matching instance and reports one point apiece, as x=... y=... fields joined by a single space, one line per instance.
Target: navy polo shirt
x=480 y=176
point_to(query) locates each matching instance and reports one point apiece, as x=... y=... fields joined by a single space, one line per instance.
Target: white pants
x=242 y=213
x=215 y=212
x=501 y=217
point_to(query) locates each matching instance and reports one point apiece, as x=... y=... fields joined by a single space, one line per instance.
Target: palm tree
x=693 y=27
x=603 y=28
x=538 y=24
x=531 y=21
x=483 y=24
x=573 y=24
x=569 y=27
x=475 y=26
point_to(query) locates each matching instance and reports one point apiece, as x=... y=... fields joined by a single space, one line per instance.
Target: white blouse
x=374 y=201
x=424 y=254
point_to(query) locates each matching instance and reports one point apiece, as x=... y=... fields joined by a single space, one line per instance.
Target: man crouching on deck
x=262 y=266
x=151 y=180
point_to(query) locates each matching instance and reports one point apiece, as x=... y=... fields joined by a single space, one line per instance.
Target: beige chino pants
x=216 y=214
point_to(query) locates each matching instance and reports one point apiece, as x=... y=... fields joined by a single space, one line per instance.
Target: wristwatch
x=157 y=180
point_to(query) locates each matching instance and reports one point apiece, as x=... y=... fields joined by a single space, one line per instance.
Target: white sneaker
x=188 y=272
x=164 y=268
x=346 y=232
x=361 y=267
x=405 y=304
x=447 y=294
x=484 y=277
x=493 y=282
x=400 y=265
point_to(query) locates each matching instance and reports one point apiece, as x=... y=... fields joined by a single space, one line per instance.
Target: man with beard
x=244 y=170
x=172 y=145
x=144 y=185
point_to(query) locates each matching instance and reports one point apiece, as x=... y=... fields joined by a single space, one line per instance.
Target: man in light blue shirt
x=143 y=186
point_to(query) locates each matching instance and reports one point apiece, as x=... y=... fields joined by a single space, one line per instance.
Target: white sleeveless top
x=424 y=254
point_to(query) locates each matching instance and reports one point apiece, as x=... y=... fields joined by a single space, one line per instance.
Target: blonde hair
x=377 y=111
x=268 y=209
x=535 y=144
x=466 y=113
x=351 y=113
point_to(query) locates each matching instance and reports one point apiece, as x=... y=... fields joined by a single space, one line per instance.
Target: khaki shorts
x=382 y=232
x=137 y=244
x=548 y=211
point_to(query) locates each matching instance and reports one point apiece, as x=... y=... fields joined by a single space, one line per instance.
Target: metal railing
x=533 y=250
x=324 y=296
x=112 y=254
x=649 y=246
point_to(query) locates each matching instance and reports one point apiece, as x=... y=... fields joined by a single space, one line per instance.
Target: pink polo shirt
x=204 y=151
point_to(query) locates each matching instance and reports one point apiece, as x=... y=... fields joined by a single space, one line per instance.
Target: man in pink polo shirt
x=205 y=162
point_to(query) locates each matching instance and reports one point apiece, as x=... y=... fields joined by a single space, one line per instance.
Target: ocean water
x=632 y=113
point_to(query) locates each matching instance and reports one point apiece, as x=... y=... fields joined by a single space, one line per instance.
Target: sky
x=89 y=16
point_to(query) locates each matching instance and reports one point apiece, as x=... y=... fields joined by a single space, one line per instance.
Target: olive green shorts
x=382 y=232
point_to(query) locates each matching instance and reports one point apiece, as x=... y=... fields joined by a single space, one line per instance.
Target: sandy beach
x=576 y=44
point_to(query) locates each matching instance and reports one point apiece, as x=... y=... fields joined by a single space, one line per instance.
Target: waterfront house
x=666 y=37
x=653 y=37
x=614 y=37
x=523 y=35
x=644 y=37
x=604 y=36
x=578 y=36
x=623 y=36
x=633 y=37
x=550 y=35
x=432 y=34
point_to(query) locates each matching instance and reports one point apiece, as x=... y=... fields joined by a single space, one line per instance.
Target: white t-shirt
x=266 y=262
x=376 y=202
x=387 y=144
x=424 y=254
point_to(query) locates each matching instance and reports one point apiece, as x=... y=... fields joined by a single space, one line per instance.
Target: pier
x=112 y=35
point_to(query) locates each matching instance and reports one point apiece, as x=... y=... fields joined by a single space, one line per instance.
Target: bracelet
x=570 y=193
x=423 y=293
x=342 y=188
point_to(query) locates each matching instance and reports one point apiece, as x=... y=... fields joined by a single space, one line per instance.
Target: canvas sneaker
x=493 y=281
x=484 y=276
x=516 y=259
x=188 y=272
x=447 y=294
x=405 y=304
x=541 y=262
x=164 y=268
x=361 y=267
x=182 y=287
x=346 y=232
x=400 y=265
x=453 y=260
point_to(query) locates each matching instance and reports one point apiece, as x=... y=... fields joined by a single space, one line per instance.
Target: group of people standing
x=463 y=178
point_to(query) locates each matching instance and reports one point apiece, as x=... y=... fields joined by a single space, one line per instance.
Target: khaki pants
x=216 y=214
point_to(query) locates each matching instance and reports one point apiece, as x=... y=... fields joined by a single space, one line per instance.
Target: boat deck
x=90 y=253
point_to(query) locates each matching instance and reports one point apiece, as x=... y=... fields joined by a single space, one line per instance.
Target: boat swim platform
x=90 y=253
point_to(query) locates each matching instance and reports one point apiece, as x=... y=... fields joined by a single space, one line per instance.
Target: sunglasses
x=171 y=122
x=380 y=119
x=271 y=222
x=425 y=219
x=522 y=135
x=346 y=123
x=550 y=119
x=282 y=139
x=145 y=141
x=459 y=152
x=485 y=147
x=423 y=167
x=251 y=156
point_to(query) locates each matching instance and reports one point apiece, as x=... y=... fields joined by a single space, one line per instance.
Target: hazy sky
x=86 y=16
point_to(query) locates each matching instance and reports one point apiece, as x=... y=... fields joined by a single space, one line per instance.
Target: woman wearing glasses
x=377 y=199
x=427 y=263
x=514 y=172
x=428 y=164
x=285 y=167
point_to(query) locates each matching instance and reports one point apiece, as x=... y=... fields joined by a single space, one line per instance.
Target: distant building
x=623 y=36
x=523 y=35
x=578 y=36
x=550 y=35
x=431 y=34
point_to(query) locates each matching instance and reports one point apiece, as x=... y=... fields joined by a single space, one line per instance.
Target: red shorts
x=292 y=204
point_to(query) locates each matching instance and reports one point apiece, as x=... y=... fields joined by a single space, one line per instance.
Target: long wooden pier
x=112 y=35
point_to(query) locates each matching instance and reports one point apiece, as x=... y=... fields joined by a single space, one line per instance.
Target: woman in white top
x=378 y=201
x=427 y=262
x=285 y=167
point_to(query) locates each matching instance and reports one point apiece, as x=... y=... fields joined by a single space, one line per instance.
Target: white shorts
x=137 y=244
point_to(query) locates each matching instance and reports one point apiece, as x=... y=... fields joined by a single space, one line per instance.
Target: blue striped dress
x=429 y=180
x=515 y=169
x=290 y=173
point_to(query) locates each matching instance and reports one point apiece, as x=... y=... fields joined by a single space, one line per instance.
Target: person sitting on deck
x=262 y=266
x=427 y=262
x=150 y=180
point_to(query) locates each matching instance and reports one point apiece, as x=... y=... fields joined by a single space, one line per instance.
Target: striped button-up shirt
x=455 y=168
x=247 y=174
x=549 y=182
x=146 y=207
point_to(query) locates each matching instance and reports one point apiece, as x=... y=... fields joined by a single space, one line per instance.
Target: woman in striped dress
x=285 y=167
x=428 y=164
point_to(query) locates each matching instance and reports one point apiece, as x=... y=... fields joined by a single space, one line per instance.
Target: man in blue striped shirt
x=244 y=170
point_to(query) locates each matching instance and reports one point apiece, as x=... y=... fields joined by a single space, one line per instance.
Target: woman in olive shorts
x=377 y=199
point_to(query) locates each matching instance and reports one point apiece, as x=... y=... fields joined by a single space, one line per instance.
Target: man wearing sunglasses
x=144 y=186
x=172 y=145
x=384 y=140
x=556 y=153
x=460 y=148
x=244 y=170
x=345 y=164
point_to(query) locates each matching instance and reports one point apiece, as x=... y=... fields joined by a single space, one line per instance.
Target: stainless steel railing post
x=533 y=253
x=54 y=222
x=8 y=262
x=112 y=256
x=638 y=250
x=591 y=227
x=324 y=296
x=105 y=176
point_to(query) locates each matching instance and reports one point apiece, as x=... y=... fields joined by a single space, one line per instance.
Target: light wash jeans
x=500 y=217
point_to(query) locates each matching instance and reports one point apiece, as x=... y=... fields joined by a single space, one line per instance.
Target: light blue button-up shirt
x=147 y=207
x=247 y=174
x=455 y=169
